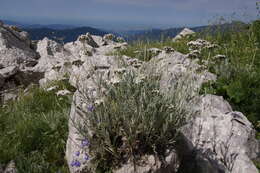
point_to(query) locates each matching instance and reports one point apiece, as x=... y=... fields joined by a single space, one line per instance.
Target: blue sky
x=126 y=14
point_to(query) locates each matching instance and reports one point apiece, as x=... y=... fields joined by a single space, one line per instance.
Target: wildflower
x=86 y=157
x=84 y=143
x=77 y=153
x=75 y=163
x=91 y=108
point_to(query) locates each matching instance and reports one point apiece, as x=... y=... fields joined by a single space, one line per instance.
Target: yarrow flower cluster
x=76 y=163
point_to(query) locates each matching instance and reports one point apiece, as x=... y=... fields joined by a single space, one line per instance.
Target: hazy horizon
x=126 y=14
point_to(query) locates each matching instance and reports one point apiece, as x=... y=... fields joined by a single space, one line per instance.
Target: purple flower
x=91 y=108
x=86 y=157
x=77 y=153
x=84 y=143
x=75 y=163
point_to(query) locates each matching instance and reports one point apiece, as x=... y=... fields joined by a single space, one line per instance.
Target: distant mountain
x=52 y=26
x=37 y=26
x=58 y=32
x=68 y=33
x=157 y=34
x=162 y=34
x=65 y=35
x=18 y=24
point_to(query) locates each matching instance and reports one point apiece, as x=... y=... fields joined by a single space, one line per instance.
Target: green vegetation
x=238 y=74
x=140 y=49
x=33 y=130
x=135 y=119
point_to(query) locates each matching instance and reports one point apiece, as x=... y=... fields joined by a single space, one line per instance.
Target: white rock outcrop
x=184 y=33
x=214 y=117
x=17 y=60
x=219 y=139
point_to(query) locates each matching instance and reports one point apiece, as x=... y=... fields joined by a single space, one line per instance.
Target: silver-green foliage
x=135 y=118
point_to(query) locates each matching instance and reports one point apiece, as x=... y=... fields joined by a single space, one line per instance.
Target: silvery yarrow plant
x=130 y=119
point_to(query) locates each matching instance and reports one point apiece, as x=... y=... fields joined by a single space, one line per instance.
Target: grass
x=33 y=130
x=140 y=49
x=238 y=75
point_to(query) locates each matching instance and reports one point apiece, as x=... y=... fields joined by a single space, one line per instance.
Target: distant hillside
x=157 y=34
x=18 y=24
x=38 y=26
x=161 y=34
x=66 y=35
x=70 y=33
x=51 y=26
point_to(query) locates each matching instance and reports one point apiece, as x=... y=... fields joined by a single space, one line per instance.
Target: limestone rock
x=184 y=33
x=17 y=60
x=55 y=61
x=222 y=140
x=11 y=168
x=8 y=71
x=14 y=45
x=88 y=40
x=151 y=165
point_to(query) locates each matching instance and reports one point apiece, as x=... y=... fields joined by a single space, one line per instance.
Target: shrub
x=135 y=119
x=33 y=131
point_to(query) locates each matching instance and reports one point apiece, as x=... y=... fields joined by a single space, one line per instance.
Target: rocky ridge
x=216 y=140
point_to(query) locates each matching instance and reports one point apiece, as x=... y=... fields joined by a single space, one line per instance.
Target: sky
x=126 y=14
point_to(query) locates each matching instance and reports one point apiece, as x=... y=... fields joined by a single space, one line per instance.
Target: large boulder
x=15 y=49
x=55 y=61
x=218 y=140
x=17 y=60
